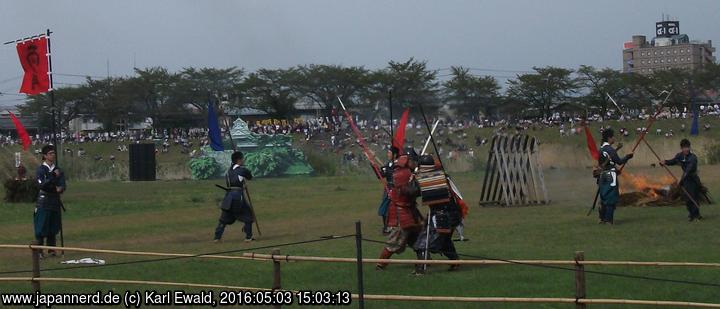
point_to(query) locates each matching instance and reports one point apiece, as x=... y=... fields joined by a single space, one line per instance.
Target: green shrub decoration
x=204 y=168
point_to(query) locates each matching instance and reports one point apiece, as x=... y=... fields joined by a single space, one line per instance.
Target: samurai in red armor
x=404 y=219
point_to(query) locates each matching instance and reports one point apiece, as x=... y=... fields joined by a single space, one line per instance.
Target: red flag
x=399 y=138
x=34 y=61
x=591 y=143
x=22 y=133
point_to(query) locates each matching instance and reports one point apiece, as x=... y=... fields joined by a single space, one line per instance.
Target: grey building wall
x=646 y=59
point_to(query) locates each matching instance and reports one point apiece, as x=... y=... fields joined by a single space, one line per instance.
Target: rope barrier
x=549 y=265
x=258 y=256
x=536 y=300
x=205 y=255
x=114 y=281
x=388 y=297
x=121 y=252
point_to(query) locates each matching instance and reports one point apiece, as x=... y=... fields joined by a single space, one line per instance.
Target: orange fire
x=644 y=184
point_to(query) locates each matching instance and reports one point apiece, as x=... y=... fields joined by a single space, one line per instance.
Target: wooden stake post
x=36 y=269
x=580 y=290
x=276 y=273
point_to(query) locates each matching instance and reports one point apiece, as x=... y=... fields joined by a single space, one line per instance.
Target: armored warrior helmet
x=410 y=152
x=427 y=160
x=395 y=151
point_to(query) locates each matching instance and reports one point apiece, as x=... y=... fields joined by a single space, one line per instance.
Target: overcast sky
x=502 y=35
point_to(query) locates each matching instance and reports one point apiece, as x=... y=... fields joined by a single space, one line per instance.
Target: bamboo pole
x=269 y=257
x=258 y=256
x=392 y=297
x=467 y=299
x=649 y=303
x=120 y=252
x=36 y=269
x=277 y=277
x=537 y=300
x=114 y=281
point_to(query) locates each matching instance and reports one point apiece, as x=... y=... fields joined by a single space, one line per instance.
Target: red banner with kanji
x=34 y=61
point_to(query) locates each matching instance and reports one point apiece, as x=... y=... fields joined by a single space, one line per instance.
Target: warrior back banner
x=34 y=60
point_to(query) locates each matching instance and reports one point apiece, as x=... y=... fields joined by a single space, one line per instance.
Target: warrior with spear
x=689 y=181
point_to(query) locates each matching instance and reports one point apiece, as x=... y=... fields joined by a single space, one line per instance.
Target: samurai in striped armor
x=404 y=219
x=445 y=212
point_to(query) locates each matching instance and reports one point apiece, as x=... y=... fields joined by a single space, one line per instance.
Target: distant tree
x=676 y=80
x=270 y=91
x=153 y=88
x=411 y=83
x=597 y=84
x=471 y=94
x=322 y=84
x=69 y=102
x=197 y=86
x=113 y=103
x=545 y=91
x=708 y=78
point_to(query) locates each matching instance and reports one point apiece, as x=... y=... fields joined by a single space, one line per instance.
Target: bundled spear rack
x=513 y=174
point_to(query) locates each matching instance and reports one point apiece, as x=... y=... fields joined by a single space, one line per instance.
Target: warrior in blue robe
x=690 y=180
x=47 y=219
x=236 y=205
x=608 y=182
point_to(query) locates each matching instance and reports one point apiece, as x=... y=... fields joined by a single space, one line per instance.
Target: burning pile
x=643 y=191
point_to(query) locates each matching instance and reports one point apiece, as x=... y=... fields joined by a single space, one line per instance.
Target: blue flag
x=694 y=128
x=214 y=130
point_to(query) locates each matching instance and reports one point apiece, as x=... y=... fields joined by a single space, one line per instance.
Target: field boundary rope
x=276 y=258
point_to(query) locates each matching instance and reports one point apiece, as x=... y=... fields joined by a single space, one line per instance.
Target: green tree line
x=179 y=99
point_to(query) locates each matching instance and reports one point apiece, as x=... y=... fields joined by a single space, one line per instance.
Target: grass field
x=179 y=216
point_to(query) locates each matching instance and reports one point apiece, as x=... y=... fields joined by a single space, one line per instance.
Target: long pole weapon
x=432 y=139
x=650 y=122
x=658 y=157
x=427 y=142
x=55 y=123
x=226 y=122
x=427 y=226
x=392 y=130
x=363 y=144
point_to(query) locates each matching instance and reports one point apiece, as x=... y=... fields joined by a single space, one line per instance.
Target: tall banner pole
x=392 y=130
x=53 y=127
